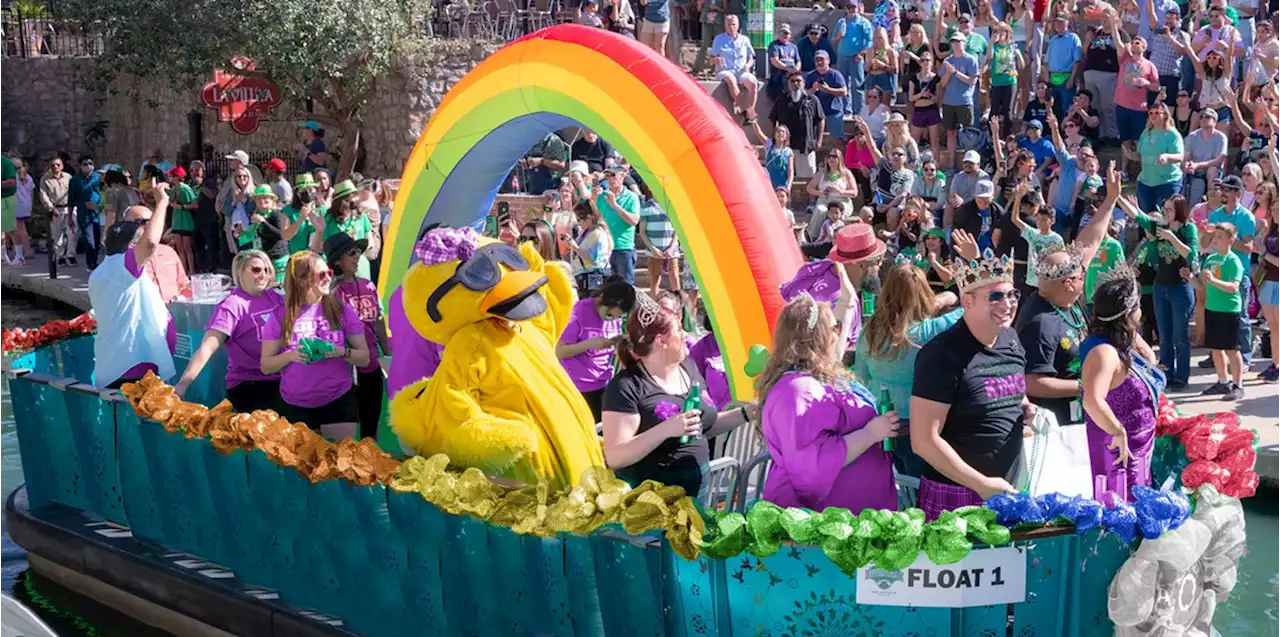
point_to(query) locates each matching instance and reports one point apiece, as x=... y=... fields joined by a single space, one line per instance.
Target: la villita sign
x=240 y=96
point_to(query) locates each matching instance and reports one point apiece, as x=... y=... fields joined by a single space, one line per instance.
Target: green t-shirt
x=1152 y=144
x=1004 y=65
x=1110 y=254
x=1226 y=268
x=624 y=234
x=8 y=172
x=974 y=44
x=184 y=195
x=302 y=240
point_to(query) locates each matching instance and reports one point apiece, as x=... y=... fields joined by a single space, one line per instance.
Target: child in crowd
x=1110 y=254
x=343 y=255
x=1221 y=273
x=833 y=223
x=1041 y=236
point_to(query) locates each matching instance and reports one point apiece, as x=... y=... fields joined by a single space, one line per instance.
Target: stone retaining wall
x=47 y=106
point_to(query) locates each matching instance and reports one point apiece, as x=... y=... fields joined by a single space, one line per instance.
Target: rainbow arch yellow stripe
x=694 y=157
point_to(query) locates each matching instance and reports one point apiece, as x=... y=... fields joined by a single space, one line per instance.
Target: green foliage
x=330 y=52
x=30 y=9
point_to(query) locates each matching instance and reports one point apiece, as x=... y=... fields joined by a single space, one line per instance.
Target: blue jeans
x=854 y=71
x=888 y=85
x=1170 y=84
x=1246 y=333
x=1151 y=198
x=90 y=237
x=623 y=263
x=1062 y=96
x=1174 y=304
x=1187 y=77
x=1130 y=123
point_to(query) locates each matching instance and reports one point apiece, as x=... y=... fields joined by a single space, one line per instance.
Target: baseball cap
x=1231 y=182
x=821 y=54
x=957 y=37
x=984 y=189
x=971 y=157
x=275 y=164
x=239 y=156
x=784 y=28
x=312 y=124
x=965 y=17
x=178 y=171
x=1036 y=124
x=1209 y=112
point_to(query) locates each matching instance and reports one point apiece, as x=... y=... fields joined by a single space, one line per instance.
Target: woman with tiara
x=1121 y=388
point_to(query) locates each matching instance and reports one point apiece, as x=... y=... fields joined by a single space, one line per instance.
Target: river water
x=1251 y=611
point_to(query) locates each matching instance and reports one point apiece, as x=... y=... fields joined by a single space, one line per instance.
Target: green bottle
x=884 y=405
x=692 y=402
x=868 y=306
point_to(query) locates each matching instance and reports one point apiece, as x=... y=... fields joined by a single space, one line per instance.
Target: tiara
x=991 y=269
x=1053 y=272
x=646 y=309
x=1121 y=270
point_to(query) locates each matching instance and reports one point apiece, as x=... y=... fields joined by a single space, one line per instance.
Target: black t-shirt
x=1087 y=131
x=970 y=219
x=314 y=148
x=273 y=243
x=1035 y=110
x=633 y=391
x=984 y=387
x=1100 y=55
x=207 y=211
x=930 y=85
x=1043 y=332
x=594 y=153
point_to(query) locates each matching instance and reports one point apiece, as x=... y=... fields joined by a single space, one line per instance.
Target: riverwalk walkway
x=1259 y=409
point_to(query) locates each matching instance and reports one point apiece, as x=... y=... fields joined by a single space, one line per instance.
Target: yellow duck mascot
x=500 y=400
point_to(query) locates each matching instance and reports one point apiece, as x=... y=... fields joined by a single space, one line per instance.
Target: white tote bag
x=1055 y=459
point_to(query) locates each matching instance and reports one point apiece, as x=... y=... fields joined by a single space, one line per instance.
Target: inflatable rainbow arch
x=696 y=159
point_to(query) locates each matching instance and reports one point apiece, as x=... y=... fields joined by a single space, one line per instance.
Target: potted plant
x=34 y=21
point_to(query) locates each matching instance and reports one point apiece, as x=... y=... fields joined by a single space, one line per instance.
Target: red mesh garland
x=1221 y=451
x=55 y=330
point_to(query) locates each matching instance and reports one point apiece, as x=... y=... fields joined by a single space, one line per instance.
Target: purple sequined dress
x=1132 y=405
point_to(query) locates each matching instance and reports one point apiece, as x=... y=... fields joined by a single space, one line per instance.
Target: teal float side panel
x=93 y=427
x=45 y=424
x=278 y=517
x=581 y=586
x=40 y=465
x=75 y=359
x=197 y=503
x=799 y=591
x=341 y=545
x=388 y=560
x=690 y=596
x=424 y=536
x=141 y=508
x=234 y=513
x=163 y=458
x=629 y=576
x=1095 y=559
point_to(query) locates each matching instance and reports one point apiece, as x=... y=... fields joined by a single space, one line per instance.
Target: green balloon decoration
x=757 y=356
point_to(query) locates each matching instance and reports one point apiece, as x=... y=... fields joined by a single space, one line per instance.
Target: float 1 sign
x=983 y=578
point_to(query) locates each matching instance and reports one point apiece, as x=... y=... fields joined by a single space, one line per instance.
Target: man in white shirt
x=734 y=57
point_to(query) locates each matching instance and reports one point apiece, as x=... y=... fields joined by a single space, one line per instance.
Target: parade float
x=249 y=524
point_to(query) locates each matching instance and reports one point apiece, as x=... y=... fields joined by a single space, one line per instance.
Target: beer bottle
x=868 y=305
x=884 y=405
x=692 y=402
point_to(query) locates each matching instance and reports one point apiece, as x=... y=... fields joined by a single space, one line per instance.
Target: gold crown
x=977 y=273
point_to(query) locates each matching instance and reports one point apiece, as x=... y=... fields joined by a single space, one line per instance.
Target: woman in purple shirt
x=343 y=253
x=313 y=341
x=238 y=322
x=586 y=346
x=821 y=427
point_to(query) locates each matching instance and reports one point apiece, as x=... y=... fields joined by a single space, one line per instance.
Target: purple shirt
x=362 y=297
x=804 y=426
x=591 y=370
x=322 y=382
x=412 y=357
x=243 y=318
x=170 y=333
x=703 y=351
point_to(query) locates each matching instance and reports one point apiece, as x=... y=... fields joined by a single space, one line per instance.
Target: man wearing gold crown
x=1052 y=323
x=969 y=392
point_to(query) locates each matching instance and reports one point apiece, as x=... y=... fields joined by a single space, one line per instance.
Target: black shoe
x=1217 y=389
x=1176 y=385
x=1207 y=363
x=72 y=262
x=1236 y=393
x=1270 y=374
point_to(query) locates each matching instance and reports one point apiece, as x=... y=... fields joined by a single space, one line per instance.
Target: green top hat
x=264 y=191
x=344 y=188
x=305 y=180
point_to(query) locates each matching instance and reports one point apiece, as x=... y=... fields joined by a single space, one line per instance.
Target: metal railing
x=40 y=32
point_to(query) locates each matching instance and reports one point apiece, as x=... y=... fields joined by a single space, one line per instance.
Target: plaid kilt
x=936 y=497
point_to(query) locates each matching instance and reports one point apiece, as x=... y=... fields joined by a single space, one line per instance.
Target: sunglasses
x=257 y=269
x=814 y=33
x=527 y=239
x=478 y=274
x=324 y=275
x=899 y=154
x=997 y=296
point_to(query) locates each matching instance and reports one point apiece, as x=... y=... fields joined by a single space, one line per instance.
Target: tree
x=332 y=53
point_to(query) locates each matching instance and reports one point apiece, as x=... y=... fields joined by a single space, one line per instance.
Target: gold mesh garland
x=598 y=499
